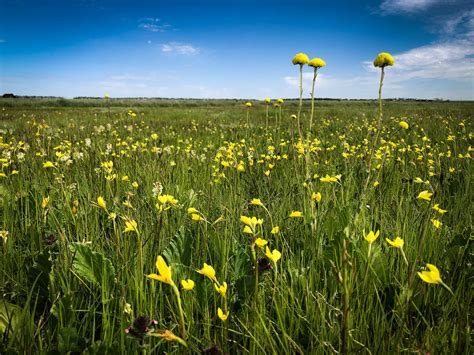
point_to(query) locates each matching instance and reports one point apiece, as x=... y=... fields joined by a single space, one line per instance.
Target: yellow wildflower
x=256 y=202
x=384 y=59
x=260 y=242
x=101 y=203
x=274 y=256
x=275 y=230
x=396 y=243
x=131 y=226
x=371 y=237
x=316 y=196
x=222 y=289
x=45 y=202
x=208 y=271
x=425 y=195
x=436 y=223
x=188 y=284
x=296 y=214
x=48 y=164
x=300 y=59
x=317 y=63
x=438 y=209
x=432 y=276
x=403 y=125
x=164 y=272
x=223 y=316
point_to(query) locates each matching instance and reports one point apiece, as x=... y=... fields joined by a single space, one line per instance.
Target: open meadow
x=187 y=226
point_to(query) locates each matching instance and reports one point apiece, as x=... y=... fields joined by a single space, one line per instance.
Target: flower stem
x=301 y=99
x=312 y=99
x=181 y=313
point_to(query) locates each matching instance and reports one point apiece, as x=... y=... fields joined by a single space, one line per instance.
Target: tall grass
x=71 y=277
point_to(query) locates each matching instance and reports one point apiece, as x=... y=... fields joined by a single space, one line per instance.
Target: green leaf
x=10 y=315
x=90 y=265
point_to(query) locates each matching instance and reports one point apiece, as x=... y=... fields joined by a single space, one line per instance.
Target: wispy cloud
x=451 y=60
x=179 y=48
x=154 y=25
x=406 y=6
x=3 y=40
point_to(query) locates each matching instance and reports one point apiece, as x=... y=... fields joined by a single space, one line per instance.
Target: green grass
x=71 y=279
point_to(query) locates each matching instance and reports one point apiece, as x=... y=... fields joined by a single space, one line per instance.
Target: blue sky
x=235 y=49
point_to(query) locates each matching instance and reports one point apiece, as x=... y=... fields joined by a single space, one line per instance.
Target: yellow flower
x=169 y=336
x=164 y=270
x=317 y=63
x=296 y=214
x=112 y=216
x=48 y=164
x=403 y=125
x=45 y=202
x=167 y=199
x=275 y=230
x=438 y=209
x=260 y=242
x=397 y=242
x=223 y=316
x=188 y=284
x=274 y=256
x=436 y=223
x=131 y=226
x=196 y=217
x=256 y=202
x=209 y=272
x=4 y=236
x=425 y=195
x=384 y=59
x=222 y=289
x=316 y=196
x=280 y=101
x=376 y=183
x=267 y=100
x=248 y=104
x=300 y=59
x=135 y=185
x=432 y=276
x=371 y=237
x=101 y=202
x=328 y=178
x=251 y=223
x=192 y=210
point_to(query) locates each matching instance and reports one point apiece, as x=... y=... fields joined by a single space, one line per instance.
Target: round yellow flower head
x=300 y=59
x=403 y=125
x=248 y=104
x=280 y=101
x=317 y=63
x=383 y=60
x=267 y=100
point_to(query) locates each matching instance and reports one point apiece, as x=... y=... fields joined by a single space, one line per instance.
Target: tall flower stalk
x=267 y=102
x=300 y=59
x=316 y=63
x=383 y=60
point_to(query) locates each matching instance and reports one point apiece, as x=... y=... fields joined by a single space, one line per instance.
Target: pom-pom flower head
x=300 y=59
x=317 y=63
x=383 y=60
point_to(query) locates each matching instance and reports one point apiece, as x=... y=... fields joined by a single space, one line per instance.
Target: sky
x=235 y=49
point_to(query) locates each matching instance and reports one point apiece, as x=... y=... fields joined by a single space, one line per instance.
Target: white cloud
x=435 y=70
x=3 y=40
x=451 y=60
x=406 y=6
x=179 y=48
x=154 y=25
